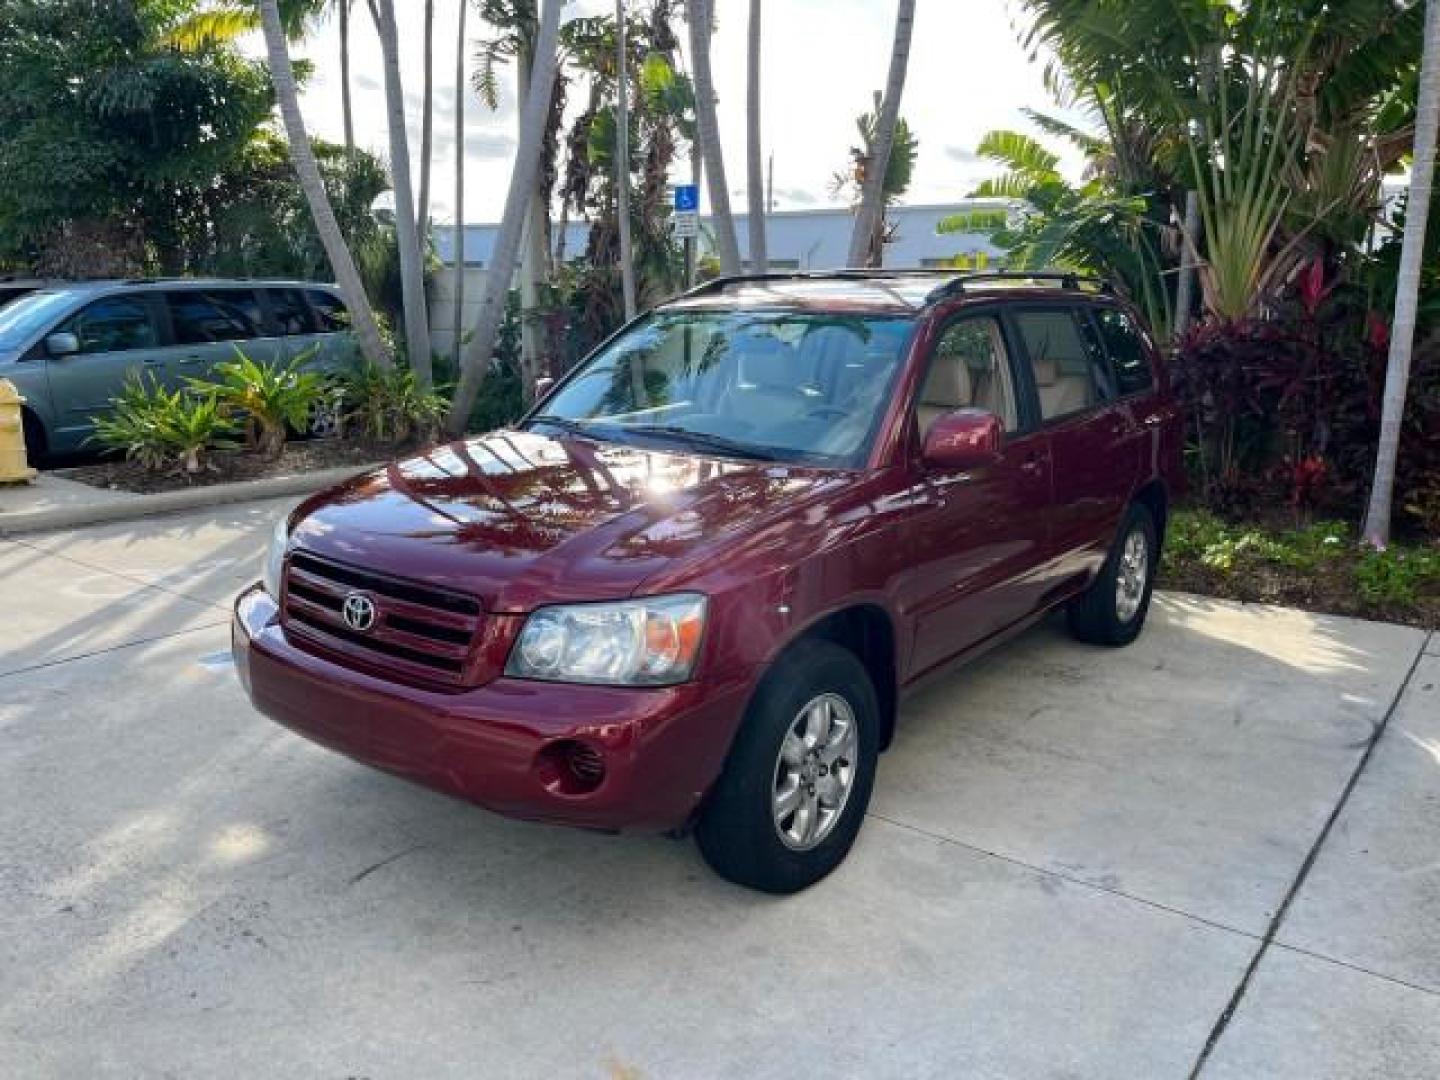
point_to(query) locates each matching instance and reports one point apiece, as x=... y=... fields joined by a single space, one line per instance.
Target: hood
x=520 y=519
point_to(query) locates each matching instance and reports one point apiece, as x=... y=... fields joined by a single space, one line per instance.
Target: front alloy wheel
x=793 y=794
x=814 y=772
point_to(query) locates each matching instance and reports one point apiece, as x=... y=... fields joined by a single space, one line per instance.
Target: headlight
x=275 y=557
x=650 y=642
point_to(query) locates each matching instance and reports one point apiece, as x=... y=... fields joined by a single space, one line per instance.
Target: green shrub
x=271 y=397
x=1198 y=535
x=1396 y=576
x=389 y=405
x=160 y=428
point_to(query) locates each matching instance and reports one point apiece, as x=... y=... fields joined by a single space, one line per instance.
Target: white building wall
x=797 y=239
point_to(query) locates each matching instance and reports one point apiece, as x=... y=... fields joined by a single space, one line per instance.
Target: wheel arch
x=36 y=435
x=867 y=630
x=1154 y=497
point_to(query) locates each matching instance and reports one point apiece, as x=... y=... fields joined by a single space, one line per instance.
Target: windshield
x=23 y=318
x=782 y=386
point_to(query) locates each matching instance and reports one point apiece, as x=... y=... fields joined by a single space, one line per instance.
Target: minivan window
x=1127 y=350
x=786 y=386
x=329 y=309
x=24 y=318
x=1070 y=375
x=114 y=324
x=200 y=317
x=289 y=312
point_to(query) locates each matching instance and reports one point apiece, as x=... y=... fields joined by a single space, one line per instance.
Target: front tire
x=1112 y=610
x=793 y=794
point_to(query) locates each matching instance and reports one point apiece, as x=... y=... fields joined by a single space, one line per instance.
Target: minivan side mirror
x=964 y=439
x=62 y=344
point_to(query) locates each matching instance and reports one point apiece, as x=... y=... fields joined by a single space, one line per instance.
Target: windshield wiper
x=576 y=427
x=704 y=438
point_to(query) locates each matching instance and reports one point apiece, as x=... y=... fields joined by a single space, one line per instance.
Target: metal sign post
x=687 y=221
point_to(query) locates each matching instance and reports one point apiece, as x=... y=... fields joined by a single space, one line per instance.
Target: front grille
x=421 y=634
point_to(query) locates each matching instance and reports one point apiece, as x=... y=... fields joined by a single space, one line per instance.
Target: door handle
x=1032 y=464
x=1153 y=420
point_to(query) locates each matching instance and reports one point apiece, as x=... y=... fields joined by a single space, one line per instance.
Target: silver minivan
x=69 y=348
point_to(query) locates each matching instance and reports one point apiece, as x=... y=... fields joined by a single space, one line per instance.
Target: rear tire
x=1112 y=610
x=793 y=794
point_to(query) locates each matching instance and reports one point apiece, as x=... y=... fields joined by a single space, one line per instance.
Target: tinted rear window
x=289 y=312
x=203 y=316
x=329 y=309
x=1127 y=350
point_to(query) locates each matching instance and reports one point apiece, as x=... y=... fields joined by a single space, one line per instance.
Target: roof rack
x=718 y=284
x=1068 y=279
x=957 y=279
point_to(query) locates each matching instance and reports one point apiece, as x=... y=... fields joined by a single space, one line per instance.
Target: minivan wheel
x=34 y=437
x=1112 y=610
x=795 y=788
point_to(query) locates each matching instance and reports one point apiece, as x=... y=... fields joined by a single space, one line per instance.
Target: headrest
x=767 y=362
x=1047 y=372
x=948 y=384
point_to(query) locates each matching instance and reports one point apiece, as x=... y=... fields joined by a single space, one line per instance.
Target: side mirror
x=62 y=344
x=964 y=439
x=543 y=386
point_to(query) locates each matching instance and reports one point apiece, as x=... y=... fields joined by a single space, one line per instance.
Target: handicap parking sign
x=687 y=198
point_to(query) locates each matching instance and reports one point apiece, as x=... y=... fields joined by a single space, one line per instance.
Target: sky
x=823 y=60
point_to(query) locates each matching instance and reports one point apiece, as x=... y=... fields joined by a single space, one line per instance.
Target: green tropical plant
x=899 y=170
x=1095 y=227
x=1282 y=118
x=160 y=428
x=390 y=405
x=272 y=398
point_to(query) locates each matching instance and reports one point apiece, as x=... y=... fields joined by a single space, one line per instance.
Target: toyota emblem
x=358 y=611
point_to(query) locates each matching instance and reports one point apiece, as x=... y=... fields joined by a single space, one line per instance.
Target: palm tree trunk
x=622 y=163
x=282 y=75
x=533 y=257
x=412 y=279
x=869 y=216
x=457 y=242
x=1189 y=264
x=346 y=108
x=534 y=116
x=755 y=181
x=427 y=119
x=1407 y=288
x=697 y=14
x=692 y=245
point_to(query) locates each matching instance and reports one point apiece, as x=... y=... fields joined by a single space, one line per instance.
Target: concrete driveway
x=1189 y=855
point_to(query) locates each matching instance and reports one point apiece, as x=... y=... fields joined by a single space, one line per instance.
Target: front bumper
x=662 y=747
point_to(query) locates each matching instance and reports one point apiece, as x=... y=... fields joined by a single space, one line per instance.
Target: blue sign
x=687 y=198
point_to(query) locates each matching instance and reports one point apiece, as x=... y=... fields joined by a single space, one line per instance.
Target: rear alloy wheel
x=1112 y=610
x=798 y=779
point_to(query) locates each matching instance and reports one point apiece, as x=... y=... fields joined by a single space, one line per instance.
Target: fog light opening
x=571 y=767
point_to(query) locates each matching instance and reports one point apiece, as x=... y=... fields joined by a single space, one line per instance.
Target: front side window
x=1071 y=374
x=199 y=317
x=115 y=324
x=1128 y=353
x=784 y=386
x=968 y=371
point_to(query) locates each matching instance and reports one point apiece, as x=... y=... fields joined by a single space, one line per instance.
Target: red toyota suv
x=693 y=583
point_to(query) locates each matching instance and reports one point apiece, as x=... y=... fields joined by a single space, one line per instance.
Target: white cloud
x=823 y=61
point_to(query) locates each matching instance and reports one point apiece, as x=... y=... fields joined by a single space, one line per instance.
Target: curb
x=169 y=502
